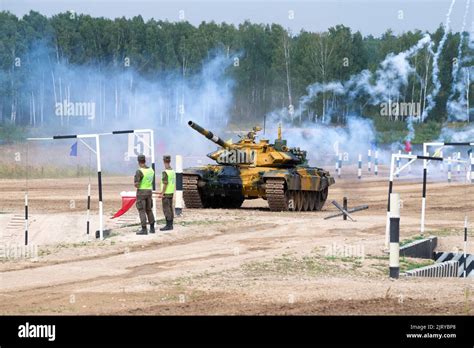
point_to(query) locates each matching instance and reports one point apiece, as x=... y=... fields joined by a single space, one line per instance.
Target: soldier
x=144 y=183
x=168 y=184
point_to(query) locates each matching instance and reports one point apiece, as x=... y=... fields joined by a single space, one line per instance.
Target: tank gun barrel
x=209 y=135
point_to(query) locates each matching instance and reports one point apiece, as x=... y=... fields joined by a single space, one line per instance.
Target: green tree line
x=271 y=67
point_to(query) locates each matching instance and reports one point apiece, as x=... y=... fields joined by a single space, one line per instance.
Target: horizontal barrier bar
x=33 y=139
x=430 y=158
x=123 y=131
x=458 y=144
x=64 y=136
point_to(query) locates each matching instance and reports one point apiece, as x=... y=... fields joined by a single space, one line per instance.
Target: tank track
x=280 y=199
x=276 y=195
x=191 y=195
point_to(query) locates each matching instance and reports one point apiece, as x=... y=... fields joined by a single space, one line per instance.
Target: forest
x=262 y=69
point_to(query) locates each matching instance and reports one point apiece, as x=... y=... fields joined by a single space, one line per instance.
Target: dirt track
x=246 y=261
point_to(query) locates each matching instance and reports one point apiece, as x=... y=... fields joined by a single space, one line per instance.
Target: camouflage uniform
x=167 y=200
x=144 y=202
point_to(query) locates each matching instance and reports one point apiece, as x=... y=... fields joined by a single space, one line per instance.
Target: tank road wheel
x=322 y=196
x=307 y=204
x=298 y=200
x=277 y=195
x=313 y=200
x=191 y=195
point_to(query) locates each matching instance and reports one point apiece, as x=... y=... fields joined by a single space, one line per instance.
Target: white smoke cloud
x=465 y=134
x=381 y=86
x=430 y=99
x=457 y=107
x=125 y=99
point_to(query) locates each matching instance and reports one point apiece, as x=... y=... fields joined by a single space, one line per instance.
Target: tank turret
x=249 y=152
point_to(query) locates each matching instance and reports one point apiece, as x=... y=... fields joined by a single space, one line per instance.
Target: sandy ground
x=245 y=261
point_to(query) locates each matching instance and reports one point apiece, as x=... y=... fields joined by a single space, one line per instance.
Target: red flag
x=127 y=202
x=407 y=146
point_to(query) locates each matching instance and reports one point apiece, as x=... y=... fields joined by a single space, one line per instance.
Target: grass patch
x=310 y=265
x=427 y=131
x=447 y=232
x=197 y=222
x=408 y=264
x=411 y=239
x=180 y=223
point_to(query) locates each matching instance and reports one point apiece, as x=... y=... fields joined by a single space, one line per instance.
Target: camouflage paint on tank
x=247 y=166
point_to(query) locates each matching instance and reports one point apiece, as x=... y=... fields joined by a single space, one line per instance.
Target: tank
x=249 y=169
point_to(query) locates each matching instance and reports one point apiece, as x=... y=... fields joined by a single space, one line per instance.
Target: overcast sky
x=368 y=16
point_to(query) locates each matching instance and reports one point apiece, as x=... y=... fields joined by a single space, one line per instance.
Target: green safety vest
x=147 y=180
x=171 y=182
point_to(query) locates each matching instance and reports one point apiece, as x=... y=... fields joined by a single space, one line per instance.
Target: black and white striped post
x=26 y=218
x=409 y=167
x=442 y=164
x=465 y=246
x=449 y=168
x=471 y=156
x=344 y=206
x=179 y=185
x=390 y=188
x=394 y=259
x=423 y=197
x=88 y=208
x=359 y=167
x=458 y=168
x=398 y=163
x=423 y=193
x=99 y=183
x=376 y=163
x=339 y=165
x=369 y=160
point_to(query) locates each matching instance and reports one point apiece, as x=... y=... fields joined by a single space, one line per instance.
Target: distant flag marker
x=73 y=151
x=407 y=146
